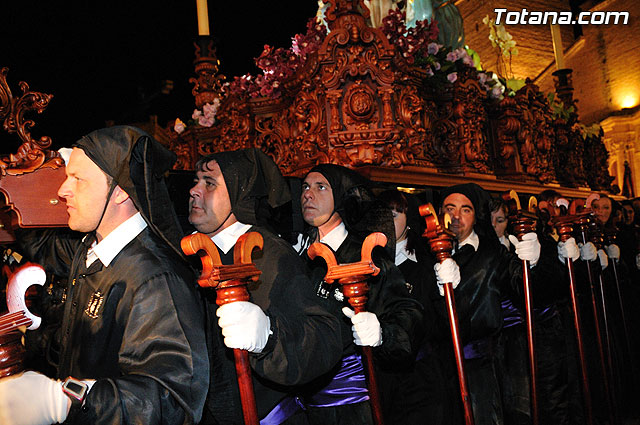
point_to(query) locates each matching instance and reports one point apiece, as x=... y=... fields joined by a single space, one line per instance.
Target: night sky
x=106 y=60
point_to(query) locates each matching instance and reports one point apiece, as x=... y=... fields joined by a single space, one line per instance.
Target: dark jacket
x=136 y=326
x=400 y=315
x=305 y=341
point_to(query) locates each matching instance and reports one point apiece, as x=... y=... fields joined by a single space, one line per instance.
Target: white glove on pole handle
x=31 y=398
x=366 y=327
x=528 y=248
x=447 y=272
x=244 y=326
x=604 y=260
x=613 y=251
x=568 y=249
x=588 y=251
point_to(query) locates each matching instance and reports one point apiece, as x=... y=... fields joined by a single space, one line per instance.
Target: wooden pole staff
x=564 y=227
x=353 y=279
x=597 y=238
x=230 y=283
x=610 y=238
x=524 y=222
x=441 y=243
x=582 y=226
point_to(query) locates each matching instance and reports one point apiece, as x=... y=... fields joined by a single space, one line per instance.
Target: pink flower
x=205 y=121
x=179 y=126
x=452 y=77
x=432 y=48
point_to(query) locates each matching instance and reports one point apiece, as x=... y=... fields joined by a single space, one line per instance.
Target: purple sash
x=347 y=387
x=511 y=316
x=283 y=411
x=480 y=348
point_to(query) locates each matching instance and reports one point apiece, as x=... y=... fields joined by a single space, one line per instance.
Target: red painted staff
x=582 y=223
x=523 y=222
x=353 y=279
x=230 y=283
x=597 y=238
x=564 y=227
x=441 y=243
x=610 y=238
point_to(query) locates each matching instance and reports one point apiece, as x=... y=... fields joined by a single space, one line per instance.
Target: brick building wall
x=533 y=41
x=605 y=63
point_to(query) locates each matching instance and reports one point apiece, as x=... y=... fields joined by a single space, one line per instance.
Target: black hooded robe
x=306 y=338
x=305 y=341
x=136 y=326
x=146 y=347
x=400 y=315
x=488 y=275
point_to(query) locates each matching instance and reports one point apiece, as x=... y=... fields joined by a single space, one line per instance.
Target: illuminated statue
x=451 y=32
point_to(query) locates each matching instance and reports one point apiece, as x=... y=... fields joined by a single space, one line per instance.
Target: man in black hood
x=132 y=334
x=290 y=337
x=341 y=212
x=483 y=273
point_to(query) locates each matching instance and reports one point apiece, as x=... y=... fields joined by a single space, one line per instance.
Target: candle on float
x=558 y=51
x=203 y=17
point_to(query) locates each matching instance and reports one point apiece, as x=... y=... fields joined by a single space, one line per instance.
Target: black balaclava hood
x=480 y=199
x=361 y=213
x=137 y=163
x=254 y=183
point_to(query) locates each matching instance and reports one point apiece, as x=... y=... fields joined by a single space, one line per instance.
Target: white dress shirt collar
x=402 y=254
x=227 y=238
x=114 y=242
x=504 y=240
x=472 y=240
x=336 y=236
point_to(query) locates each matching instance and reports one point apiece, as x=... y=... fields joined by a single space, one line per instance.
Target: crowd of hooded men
x=129 y=337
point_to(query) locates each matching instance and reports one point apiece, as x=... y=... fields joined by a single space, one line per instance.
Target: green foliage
x=558 y=108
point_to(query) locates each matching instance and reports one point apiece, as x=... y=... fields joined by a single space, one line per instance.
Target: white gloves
x=613 y=251
x=568 y=249
x=604 y=260
x=244 y=326
x=528 y=248
x=447 y=272
x=588 y=252
x=31 y=398
x=366 y=328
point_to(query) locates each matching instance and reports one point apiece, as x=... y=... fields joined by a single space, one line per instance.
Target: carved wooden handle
x=201 y=244
x=213 y=271
x=522 y=221
x=363 y=267
x=351 y=276
x=437 y=232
